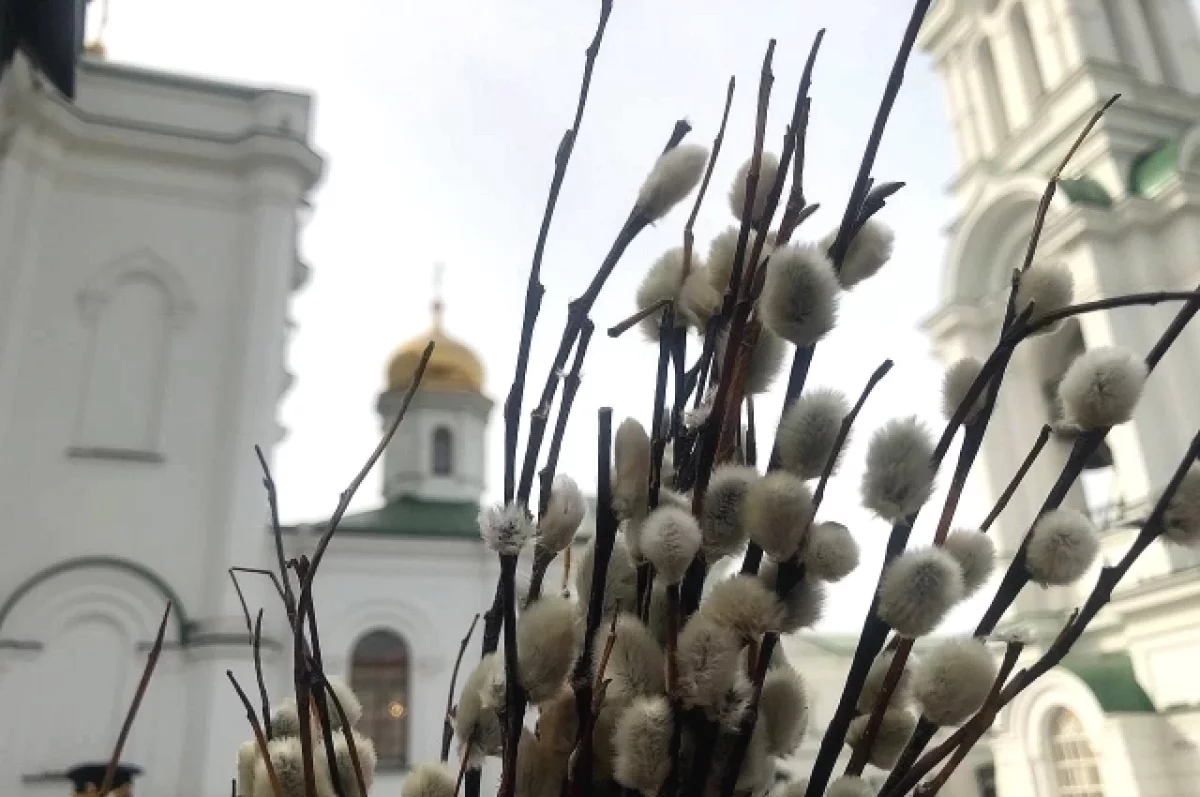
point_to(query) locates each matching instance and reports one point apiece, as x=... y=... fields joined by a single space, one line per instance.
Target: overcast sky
x=440 y=121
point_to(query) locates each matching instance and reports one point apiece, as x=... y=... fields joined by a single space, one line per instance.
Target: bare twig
x=1018 y=477
x=689 y=238
x=242 y=600
x=130 y=715
x=862 y=753
x=258 y=571
x=285 y=590
x=844 y=431
x=448 y=729
x=258 y=675
x=259 y=737
x=514 y=692
x=621 y=327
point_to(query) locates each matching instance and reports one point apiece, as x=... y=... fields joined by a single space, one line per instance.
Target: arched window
x=379 y=676
x=443 y=451
x=1076 y=768
x=993 y=94
x=1027 y=57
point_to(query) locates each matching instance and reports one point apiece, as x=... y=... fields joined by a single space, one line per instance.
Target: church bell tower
x=1021 y=79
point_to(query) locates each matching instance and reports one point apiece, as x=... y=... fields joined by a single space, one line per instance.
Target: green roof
x=1085 y=191
x=1111 y=678
x=1153 y=168
x=415 y=517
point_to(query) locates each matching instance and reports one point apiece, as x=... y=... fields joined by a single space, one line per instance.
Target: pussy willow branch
x=139 y=693
x=351 y=745
x=258 y=675
x=891 y=680
x=606 y=534
x=514 y=692
x=658 y=429
x=535 y=290
x=1018 y=477
x=316 y=674
x=843 y=433
x=621 y=327
x=263 y=751
x=448 y=726
x=257 y=571
x=542 y=558
x=285 y=588
x=689 y=238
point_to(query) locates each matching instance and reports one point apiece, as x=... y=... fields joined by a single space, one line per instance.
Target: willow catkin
x=777 y=512
x=900 y=474
x=872 y=689
x=895 y=728
x=695 y=299
x=564 y=513
x=869 y=250
x=804 y=603
x=631 y=470
x=540 y=768
x=558 y=721
x=1181 y=520
x=1049 y=287
x=721 y=525
x=850 y=786
x=285 y=721
x=546 y=645
x=918 y=590
x=429 y=780
x=707 y=658
x=733 y=706
x=367 y=761
x=799 y=300
x=642 y=741
x=1102 y=387
x=636 y=665
x=829 y=551
x=765 y=361
x=1062 y=547
x=957 y=384
x=287 y=758
x=953 y=680
x=477 y=724
x=620 y=582
x=675 y=174
x=722 y=251
x=809 y=430
x=768 y=167
x=975 y=554
x=783 y=708
x=670 y=540
x=505 y=528
x=744 y=606
x=247 y=758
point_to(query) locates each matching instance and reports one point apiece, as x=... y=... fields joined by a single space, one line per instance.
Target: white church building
x=148 y=251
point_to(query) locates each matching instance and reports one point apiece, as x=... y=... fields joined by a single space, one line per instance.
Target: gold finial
x=437 y=307
x=95 y=47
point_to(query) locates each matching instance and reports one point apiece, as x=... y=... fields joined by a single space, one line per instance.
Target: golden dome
x=452 y=366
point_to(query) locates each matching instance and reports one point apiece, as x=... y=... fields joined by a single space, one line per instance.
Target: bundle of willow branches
x=648 y=678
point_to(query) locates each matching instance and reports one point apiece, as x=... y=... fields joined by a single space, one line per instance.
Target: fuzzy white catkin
x=830 y=552
x=723 y=250
x=367 y=760
x=873 y=685
x=802 y=606
x=673 y=177
x=794 y=788
x=546 y=645
x=429 y=780
x=1102 y=387
x=1181 y=520
x=564 y=513
x=284 y=720
x=850 y=786
x=707 y=654
x=734 y=704
x=743 y=605
x=350 y=704
x=540 y=769
x=918 y=589
x=721 y=516
x=809 y=429
x=505 y=528
x=1049 y=286
x=643 y=744
x=670 y=541
x=620 y=582
x=768 y=168
x=957 y=383
x=777 y=512
x=869 y=250
x=895 y=727
x=558 y=722
x=247 y=758
x=288 y=760
x=694 y=296
x=631 y=470
x=900 y=473
x=476 y=720
x=636 y=664
x=975 y=554
x=765 y=359
x=1061 y=548
x=784 y=710
x=800 y=296
x=952 y=681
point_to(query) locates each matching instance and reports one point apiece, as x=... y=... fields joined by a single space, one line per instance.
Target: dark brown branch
x=448 y=728
x=130 y=715
x=242 y=600
x=1018 y=477
x=351 y=745
x=514 y=692
x=258 y=571
x=285 y=588
x=891 y=680
x=259 y=737
x=621 y=327
x=317 y=675
x=689 y=238
x=658 y=430
x=844 y=431
x=258 y=676
x=535 y=289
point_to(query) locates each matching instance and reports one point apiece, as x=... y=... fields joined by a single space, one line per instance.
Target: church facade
x=1122 y=716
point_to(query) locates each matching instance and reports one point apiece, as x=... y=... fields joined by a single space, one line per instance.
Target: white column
x=1147 y=63
x=1048 y=29
x=1178 y=23
x=962 y=110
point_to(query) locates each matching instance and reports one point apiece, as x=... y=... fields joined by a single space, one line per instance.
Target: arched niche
x=991 y=240
x=130 y=309
x=380 y=673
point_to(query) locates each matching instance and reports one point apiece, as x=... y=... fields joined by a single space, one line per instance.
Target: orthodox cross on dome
x=437 y=307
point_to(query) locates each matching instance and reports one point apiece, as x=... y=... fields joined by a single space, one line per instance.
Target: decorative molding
x=116 y=454
x=103 y=283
